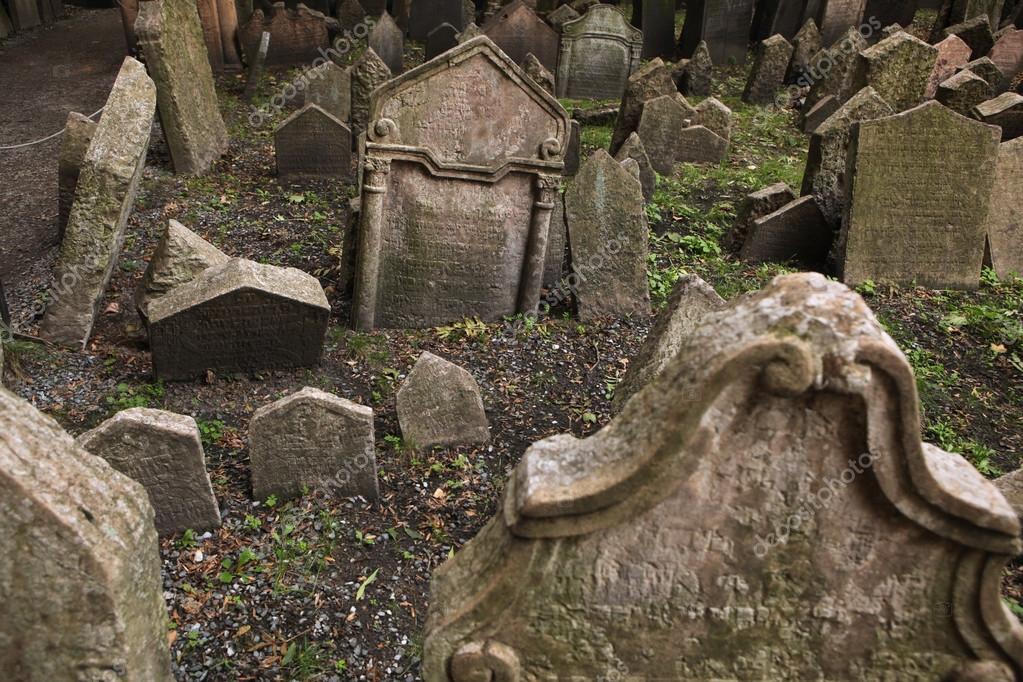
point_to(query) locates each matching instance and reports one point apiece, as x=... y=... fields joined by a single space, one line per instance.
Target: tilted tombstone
x=976 y=33
x=714 y=116
x=699 y=144
x=557 y=245
x=388 y=41
x=1004 y=111
x=766 y=78
x=238 y=316
x=986 y=69
x=297 y=36
x=795 y=232
x=441 y=39
x=256 y=67
x=659 y=127
x=562 y=15
x=518 y=31
x=819 y=113
x=368 y=73
x=833 y=71
x=439 y=404
x=329 y=87
x=599 y=51
x=539 y=73
x=634 y=149
x=917 y=196
x=316 y=439
x=78 y=132
x=658 y=24
x=456 y=208
x=163 y=452
x=1005 y=215
x=805 y=45
x=899 y=68
x=426 y=15
x=179 y=257
x=170 y=35
x=313 y=144
x=104 y=196
x=953 y=53
x=651 y=80
x=723 y=24
x=835 y=17
x=699 y=73
x=756 y=205
x=80 y=589
x=963 y=91
x=768 y=487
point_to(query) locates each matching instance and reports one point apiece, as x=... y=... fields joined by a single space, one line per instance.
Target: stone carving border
x=572 y=32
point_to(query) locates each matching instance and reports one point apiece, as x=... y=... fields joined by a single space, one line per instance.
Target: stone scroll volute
x=763 y=509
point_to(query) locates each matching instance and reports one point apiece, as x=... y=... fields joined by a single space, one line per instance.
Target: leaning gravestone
x=329 y=87
x=518 y=31
x=756 y=205
x=963 y=91
x=769 y=488
x=976 y=33
x=170 y=36
x=986 y=69
x=562 y=15
x=179 y=257
x=557 y=245
x=607 y=232
x=239 y=316
x=388 y=41
x=1005 y=215
x=80 y=590
x=899 y=69
x=104 y=197
x=795 y=232
x=440 y=404
x=839 y=79
x=297 y=36
x=698 y=144
x=659 y=127
x=1004 y=111
x=599 y=51
x=723 y=24
x=780 y=17
x=163 y=452
x=699 y=74
x=1007 y=54
x=350 y=13
x=368 y=73
x=771 y=60
x=917 y=199
x=455 y=208
x=316 y=439
x=441 y=39
x=313 y=144
x=634 y=149
x=805 y=45
x=713 y=115
x=651 y=80
x=426 y=15
x=953 y=53
x=78 y=132
x=836 y=17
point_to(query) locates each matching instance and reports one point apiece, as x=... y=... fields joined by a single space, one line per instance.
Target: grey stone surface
x=651 y=80
x=518 y=31
x=974 y=32
x=573 y=150
x=471 y=31
x=770 y=61
x=171 y=38
x=953 y=53
x=316 y=439
x=439 y=404
x=697 y=144
x=723 y=24
x=714 y=116
x=699 y=517
x=839 y=79
x=161 y=451
x=561 y=16
x=1005 y=214
x=78 y=132
x=1011 y=486
x=368 y=73
x=986 y=69
x=899 y=68
x=538 y=72
x=699 y=74
x=257 y=66
x=819 y=113
x=81 y=595
x=634 y=149
x=311 y=143
x=756 y=205
x=598 y=53
x=557 y=244
x=805 y=45
x=329 y=87
x=1004 y=111
x=178 y=258
x=660 y=128
x=963 y=91
x=797 y=232
x=104 y=198
x=388 y=40
x=297 y=35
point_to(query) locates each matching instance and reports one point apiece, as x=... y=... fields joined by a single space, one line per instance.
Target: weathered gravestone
x=805 y=45
x=163 y=452
x=350 y=13
x=557 y=247
x=766 y=78
x=836 y=17
x=561 y=16
x=426 y=15
x=690 y=300
x=80 y=588
x=898 y=68
x=634 y=149
x=104 y=196
x=756 y=205
x=699 y=73
x=310 y=144
x=238 y=316
x=179 y=257
x=769 y=488
x=986 y=69
x=441 y=39
x=297 y=36
x=471 y=31
x=723 y=24
x=659 y=128
x=976 y=33
x=917 y=198
x=658 y=23
x=78 y=132
x=257 y=66
x=953 y=53
x=607 y=232
x=781 y=17
x=963 y=91
x=368 y=73
x=329 y=87
x=170 y=35
x=698 y=144
x=1004 y=111
x=599 y=51
x=1007 y=54
x=714 y=116
x=539 y=73
x=439 y=403
x=388 y=41
x=834 y=70
x=518 y=31
x=795 y=232
x=819 y=113
x=316 y=439
x=1005 y=215
x=456 y=207
x=651 y=80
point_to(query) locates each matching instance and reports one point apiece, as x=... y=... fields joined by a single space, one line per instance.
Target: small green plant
x=187 y=540
x=210 y=431
x=253 y=523
x=126 y=397
x=360 y=593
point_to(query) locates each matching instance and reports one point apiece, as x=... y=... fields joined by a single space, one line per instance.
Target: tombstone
x=767 y=77
x=756 y=205
x=297 y=36
x=562 y=15
x=659 y=128
x=805 y=45
x=1005 y=215
x=651 y=80
x=239 y=316
x=958 y=11
x=696 y=74
x=1011 y=486
x=78 y=132
x=368 y=73
x=1005 y=111
x=826 y=160
x=1007 y=54
x=699 y=517
x=315 y=439
x=607 y=232
x=329 y=87
x=439 y=404
x=819 y=113
x=658 y=25
x=773 y=17
x=162 y=451
x=963 y=91
x=388 y=41
x=634 y=149
x=104 y=197
x=170 y=36
x=426 y=15
x=887 y=12
x=518 y=31
x=691 y=299
x=836 y=17
x=80 y=589
x=311 y=143
x=441 y=39
x=840 y=79
x=899 y=69
x=917 y=199
x=540 y=75
x=697 y=144
x=257 y=67
x=557 y=245
x=986 y=69
x=179 y=257
x=796 y=232
x=976 y=33
x=454 y=218
x=953 y=53
x=350 y=13
x=599 y=51
x=723 y=24
x=715 y=117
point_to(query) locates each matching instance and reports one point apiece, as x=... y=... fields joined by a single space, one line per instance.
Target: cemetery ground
x=316 y=588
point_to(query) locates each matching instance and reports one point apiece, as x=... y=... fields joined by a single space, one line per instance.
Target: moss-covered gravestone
x=899 y=68
x=650 y=81
x=833 y=71
x=771 y=60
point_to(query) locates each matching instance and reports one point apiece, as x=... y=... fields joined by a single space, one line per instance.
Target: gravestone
x=699 y=74
x=651 y=80
x=313 y=144
x=767 y=77
x=976 y=33
x=658 y=23
x=599 y=51
x=986 y=69
x=607 y=232
x=835 y=70
x=759 y=489
x=557 y=245
x=426 y=15
x=917 y=198
x=80 y=589
x=562 y=15
x=170 y=36
x=315 y=439
x=899 y=69
x=104 y=196
x=573 y=149
x=239 y=316
x=953 y=53
x=540 y=75
x=518 y=31
x=1005 y=215
x=697 y=144
x=329 y=87
x=796 y=232
x=78 y=132
x=455 y=208
x=756 y=205
x=826 y=160
x=659 y=128
x=690 y=300
x=368 y=73
x=963 y=91
x=161 y=451
x=819 y=113
x=634 y=149
x=1004 y=111
x=714 y=116
x=439 y=404
x=723 y=24
x=441 y=39
x=179 y=257
x=388 y=41
x=257 y=67
x=1007 y=54
x=296 y=35
x=471 y=31
x=805 y=45
x=836 y=17
x=350 y=13
x=781 y=17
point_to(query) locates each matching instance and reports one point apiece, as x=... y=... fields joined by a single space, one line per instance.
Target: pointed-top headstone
x=388 y=41
x=368 y=73
x=517 y=30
